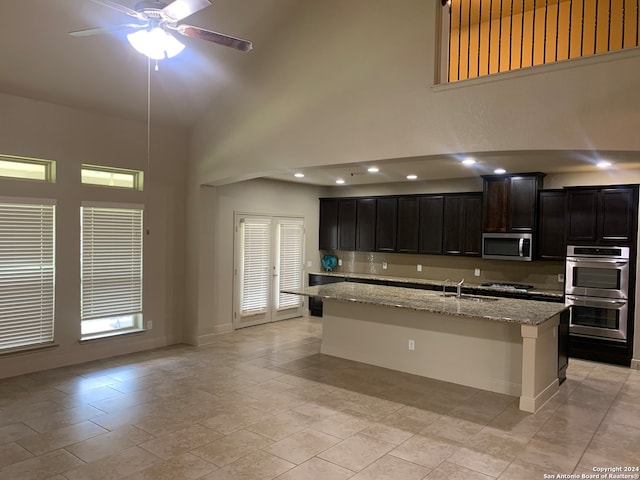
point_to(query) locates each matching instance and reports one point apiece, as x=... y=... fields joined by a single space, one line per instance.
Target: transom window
x=27 y=168
x=112 y=177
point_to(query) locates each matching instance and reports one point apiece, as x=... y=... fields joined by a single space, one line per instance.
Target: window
x=27 y=272
x=501 y=35
x=27 y=168
x=111 y=269
x=112 y=177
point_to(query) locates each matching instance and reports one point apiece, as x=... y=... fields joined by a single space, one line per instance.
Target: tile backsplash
x=541 y=274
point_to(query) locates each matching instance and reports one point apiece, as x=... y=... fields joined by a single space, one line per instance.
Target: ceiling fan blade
x=214 y=37
x=106 y=30
x=120 y=8
x=180 y=9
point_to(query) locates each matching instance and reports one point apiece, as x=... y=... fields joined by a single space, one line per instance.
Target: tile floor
x=263 y=403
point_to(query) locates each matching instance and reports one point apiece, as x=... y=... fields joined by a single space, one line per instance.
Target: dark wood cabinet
x=462 y=226
x=328 y=228
x=510 y=202
x=408 y=224
x=602 y=215
x=386 y=224
x=366 y=224
x=431 y=218
x=347 y=224
x=315 y=303
x=551 y=226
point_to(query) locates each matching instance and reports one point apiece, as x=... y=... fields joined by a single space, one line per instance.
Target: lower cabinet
x=315 y=303
x=563 y=345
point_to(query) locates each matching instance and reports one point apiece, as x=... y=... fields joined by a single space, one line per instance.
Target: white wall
x=72 y=137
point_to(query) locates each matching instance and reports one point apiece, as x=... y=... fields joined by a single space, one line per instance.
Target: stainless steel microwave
x=507 y=246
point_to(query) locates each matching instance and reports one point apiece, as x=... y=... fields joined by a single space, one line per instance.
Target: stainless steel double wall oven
x=597 y=289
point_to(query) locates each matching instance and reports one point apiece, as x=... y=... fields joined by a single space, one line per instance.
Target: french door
x=269 y=258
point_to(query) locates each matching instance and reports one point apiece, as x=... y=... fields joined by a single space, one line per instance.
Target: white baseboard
x=635 y=364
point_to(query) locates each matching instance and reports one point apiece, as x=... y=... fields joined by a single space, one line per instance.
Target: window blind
x=27 y=273
x=290 y=237
x=256 y=248
x=111 y=261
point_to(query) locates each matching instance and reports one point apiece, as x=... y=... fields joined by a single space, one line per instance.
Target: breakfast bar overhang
x=503 y=345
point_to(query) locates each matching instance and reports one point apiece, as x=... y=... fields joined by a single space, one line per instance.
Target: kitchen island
x=502 y=345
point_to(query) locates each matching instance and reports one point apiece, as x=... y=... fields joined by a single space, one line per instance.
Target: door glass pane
x=290 y=236
x=595 y=317
x=588 y=277
x=255 y=258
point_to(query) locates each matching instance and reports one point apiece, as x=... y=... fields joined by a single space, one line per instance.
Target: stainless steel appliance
x=507 y=246
x=597 y=288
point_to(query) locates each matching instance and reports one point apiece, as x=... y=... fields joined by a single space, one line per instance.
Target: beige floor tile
x=107 y=444
x=61 y=437
x=317 y=469
x=229 y=422
x=15 y=431
x=357 y=452
x=180 y=441
x=450 y=471
x=452 y=428
x=19 y=411
x=255 y=466
x=41 y=467
x=12 y=453
x=282 y=425
x=114 y=467
x=342 y=425
x=557 y=456
x=230 y=448
x=519 y=470
x=46 y=423
x=301 y=446
x=387 y=433
x=182 y=467
x=479 y=461
x=122 y=418
x=425 y=450
x=498 y=443
x=392 y=468
x=90 y=396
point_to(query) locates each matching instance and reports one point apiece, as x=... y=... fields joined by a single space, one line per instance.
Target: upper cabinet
x=602 y=215
x=386 y=224
x=431 y=223
x=510 y=202
x=347 y=224
x=366 y=224
x=462 y=234
x=408 y=224
x=551 y=225
x=328 y=234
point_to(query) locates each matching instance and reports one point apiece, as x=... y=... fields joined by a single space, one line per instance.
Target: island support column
x=539 y=364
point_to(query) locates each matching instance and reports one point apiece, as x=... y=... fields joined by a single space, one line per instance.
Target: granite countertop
x=552 y=294
x=528 y=312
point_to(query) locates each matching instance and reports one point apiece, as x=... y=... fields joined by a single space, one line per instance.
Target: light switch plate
x=419 y=267
x=384 y=265
x=339 y=262
x=560 y=277
x=476 y=272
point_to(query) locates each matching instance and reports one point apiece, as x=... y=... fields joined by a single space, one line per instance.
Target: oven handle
x=590 y=302
x=588 y=260
x=520 y=245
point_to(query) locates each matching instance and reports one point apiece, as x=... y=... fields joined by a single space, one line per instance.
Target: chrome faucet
x=459 y=288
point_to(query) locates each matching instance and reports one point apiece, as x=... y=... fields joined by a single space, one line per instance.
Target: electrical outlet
x=339 y=262
x=476 y=272
x=384 y=264
x=419 y=267
x=309 y=263
x=412 y=345
x=560 y=277
x=149 y=324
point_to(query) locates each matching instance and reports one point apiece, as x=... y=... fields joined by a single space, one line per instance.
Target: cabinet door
x=366 y=224
x=472 y=225
x=616 y=215
x=453 y=224
x=386 y=224
x=523 y=197
x=582 y=209
x=408 y=224
x=551 y=230
x=431 y=216
x=328 y=231
x=347 y=224
x=495 y=204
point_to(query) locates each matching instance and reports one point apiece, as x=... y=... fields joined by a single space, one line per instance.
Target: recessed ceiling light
x=411 y=177
x=499 y=171
x=373 y=169
x=340 y=181
x=299 y=175
x=604 y=164
x=468 y=161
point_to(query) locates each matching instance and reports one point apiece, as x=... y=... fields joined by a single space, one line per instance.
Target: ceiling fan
x=155 y=23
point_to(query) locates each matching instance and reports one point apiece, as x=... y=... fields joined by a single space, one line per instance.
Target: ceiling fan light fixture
x=156 y=43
